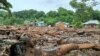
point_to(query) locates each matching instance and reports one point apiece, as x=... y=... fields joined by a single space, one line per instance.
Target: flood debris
x=50 y=41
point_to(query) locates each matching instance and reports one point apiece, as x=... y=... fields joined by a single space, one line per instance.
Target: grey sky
x=41 y=5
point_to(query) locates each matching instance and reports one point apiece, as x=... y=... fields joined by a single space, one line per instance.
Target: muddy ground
x=49 y=39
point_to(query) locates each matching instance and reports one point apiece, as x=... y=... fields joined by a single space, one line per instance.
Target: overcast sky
x=41 y=5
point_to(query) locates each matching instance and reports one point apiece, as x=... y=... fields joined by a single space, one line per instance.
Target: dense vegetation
x=83 y=12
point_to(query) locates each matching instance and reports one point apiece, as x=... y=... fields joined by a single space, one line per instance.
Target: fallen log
x=86 y=46
x=97 y=47
x=63 y=49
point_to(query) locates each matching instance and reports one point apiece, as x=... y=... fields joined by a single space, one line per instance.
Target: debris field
x=52 y=41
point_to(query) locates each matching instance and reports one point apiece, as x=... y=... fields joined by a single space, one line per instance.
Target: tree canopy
x=5 y=5
x=84 y=11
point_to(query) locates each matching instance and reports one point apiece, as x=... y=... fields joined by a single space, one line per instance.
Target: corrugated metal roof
x=92 y=22
x=40 y=23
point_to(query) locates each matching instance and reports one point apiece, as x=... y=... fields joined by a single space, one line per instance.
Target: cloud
x=44 y=5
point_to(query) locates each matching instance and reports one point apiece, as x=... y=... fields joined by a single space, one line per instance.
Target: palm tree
x=5 y=5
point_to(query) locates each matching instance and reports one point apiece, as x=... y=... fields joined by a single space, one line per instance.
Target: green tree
x=50 y=21
x=65 y=15
x=52 y=14
x=5 y=5
x=83 y=11
x=25 y=13
x=77 y=23
x=28 y=14
x=62 y=11
x=3 y=14
x=39 y=14
x=96 y=15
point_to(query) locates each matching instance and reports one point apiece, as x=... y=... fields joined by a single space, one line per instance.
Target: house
x=40 y=23
x=62 y=23
x=91 y=24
